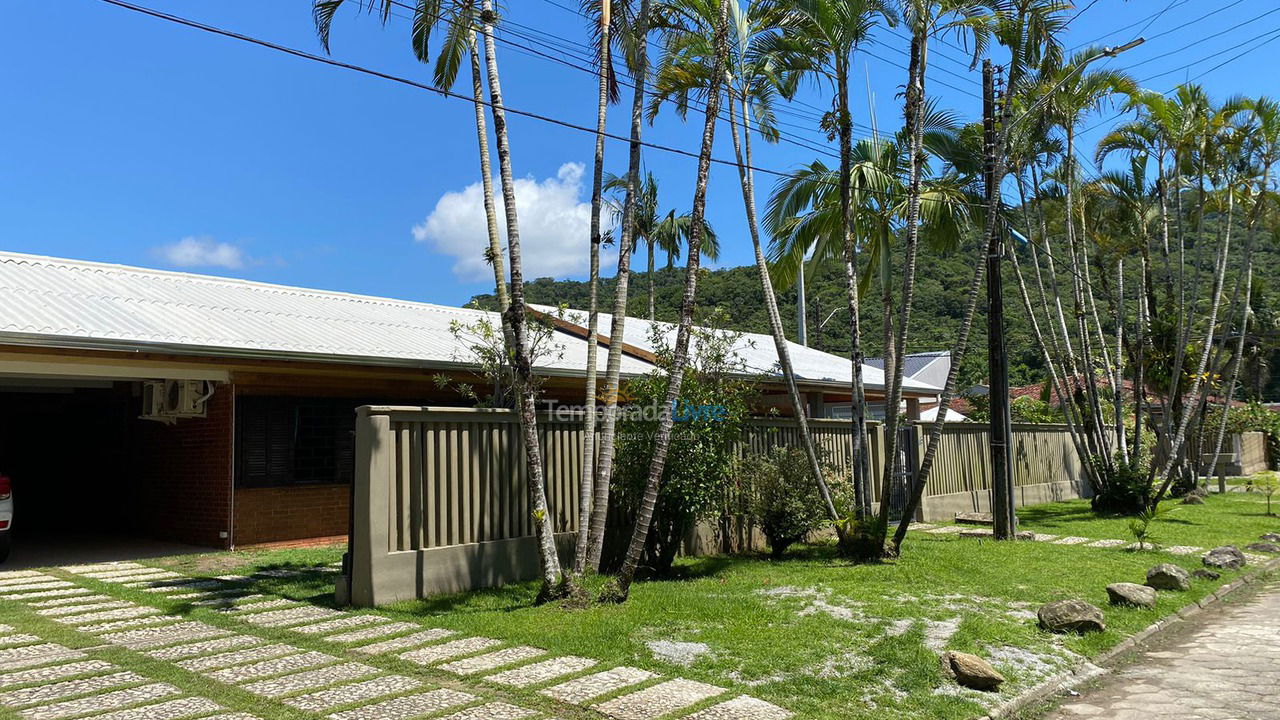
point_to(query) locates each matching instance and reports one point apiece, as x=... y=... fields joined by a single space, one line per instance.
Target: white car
x=6 y=515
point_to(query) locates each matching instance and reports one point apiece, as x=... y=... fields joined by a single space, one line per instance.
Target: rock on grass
x=971 y=671
x=1227 y=557
x=1065 y=616
x=1132 y=594
x=1167 y=576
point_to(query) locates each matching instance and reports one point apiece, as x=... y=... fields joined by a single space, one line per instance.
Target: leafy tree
x=713 y=404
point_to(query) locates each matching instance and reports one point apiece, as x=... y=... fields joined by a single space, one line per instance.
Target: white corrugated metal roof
x=757 y=351
x=72 y=303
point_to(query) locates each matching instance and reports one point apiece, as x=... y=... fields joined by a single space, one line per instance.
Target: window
x=294 y=441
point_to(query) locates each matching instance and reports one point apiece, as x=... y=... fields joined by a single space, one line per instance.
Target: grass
x=819 y=636
x=1232 y=518
x=832 y=640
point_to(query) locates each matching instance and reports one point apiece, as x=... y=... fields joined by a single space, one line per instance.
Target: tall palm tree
x=754 y=79
x=1029 y=29
x=820 y=41
x=601 y=14
x=680 y=356
x=460 y=18
x=972 y=20
x=553 y=579
x=461 y=38
x=633 y=35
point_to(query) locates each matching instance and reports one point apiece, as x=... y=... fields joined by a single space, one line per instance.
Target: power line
x=1274 y=33
x=1205 y=38
x=1149 y=20
x=783 y=136
x=1213 y=55
x=302 y=54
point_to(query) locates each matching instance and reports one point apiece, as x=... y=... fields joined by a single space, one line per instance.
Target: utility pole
x=1002 y=498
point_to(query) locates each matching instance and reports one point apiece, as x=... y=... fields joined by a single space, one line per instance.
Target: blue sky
x=131 y=140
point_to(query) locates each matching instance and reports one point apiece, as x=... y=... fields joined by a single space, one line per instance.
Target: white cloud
x=555 y=223
x=193 y=251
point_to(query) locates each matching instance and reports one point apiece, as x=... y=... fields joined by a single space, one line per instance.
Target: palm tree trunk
x=515 y=313
x=1167 y=472
x=747 y=178
x=1142 y=333
x=860 y=460
x=662 y=438
x=1117 y=377
x=1244 y=320
x=944 y=402
x=1235 y=376
x=604 y=465
x=586 y=488
x=802 y=320
x=915 y=128
x=494 y=256
x=652 y=313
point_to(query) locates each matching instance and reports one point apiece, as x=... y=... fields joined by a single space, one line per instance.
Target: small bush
x=783 y=498
x=1267 y=483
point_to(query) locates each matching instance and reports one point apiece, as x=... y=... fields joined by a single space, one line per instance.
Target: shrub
x=1034 y=410
x=714 y=402
x=783 y=499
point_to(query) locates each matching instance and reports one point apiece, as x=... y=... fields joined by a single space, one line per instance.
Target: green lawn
x=832 y=640
x=1232 y=518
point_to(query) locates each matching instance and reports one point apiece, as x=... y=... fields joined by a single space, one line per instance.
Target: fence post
x=371 y=530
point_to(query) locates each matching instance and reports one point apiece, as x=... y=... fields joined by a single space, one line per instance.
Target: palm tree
x=1029 y=30
x=680 y=356
x=925 y=19
x=553 y=579
x=669 y=232
x=755 y=78
x=607 y=93
x=633 y=33
x=460 y=39
x=820 y=41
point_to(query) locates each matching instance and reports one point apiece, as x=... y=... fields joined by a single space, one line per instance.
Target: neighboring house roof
x=930 y=368
x=756 y=350
x=953 y=415
x=50 y=302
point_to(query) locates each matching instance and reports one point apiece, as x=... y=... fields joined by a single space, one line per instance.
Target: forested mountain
x=940 y=289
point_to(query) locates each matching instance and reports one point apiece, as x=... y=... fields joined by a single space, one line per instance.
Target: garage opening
x=85 y=470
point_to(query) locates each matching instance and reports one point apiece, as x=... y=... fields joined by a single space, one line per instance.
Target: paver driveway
x=1225 y=667
x=295 y=657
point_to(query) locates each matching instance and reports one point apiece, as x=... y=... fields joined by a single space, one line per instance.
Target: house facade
x=221 y=413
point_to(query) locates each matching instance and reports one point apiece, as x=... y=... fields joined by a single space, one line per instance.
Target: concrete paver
x=1226 y=666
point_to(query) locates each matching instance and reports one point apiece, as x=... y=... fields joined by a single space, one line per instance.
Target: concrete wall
x=441 y=503
x=939 y=508
x=1251 y=453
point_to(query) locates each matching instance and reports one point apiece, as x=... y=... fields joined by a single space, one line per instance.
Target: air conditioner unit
x=153 y=402
x=152 y=398
x=185 y=398
x=167 y=401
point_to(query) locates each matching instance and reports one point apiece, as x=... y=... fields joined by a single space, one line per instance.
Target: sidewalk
x=1225 y=665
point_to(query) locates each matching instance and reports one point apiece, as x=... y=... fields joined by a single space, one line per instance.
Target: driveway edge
x=1096 y=667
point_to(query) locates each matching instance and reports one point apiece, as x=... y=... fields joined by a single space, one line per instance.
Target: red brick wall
x=183 y=471
x=265 y=515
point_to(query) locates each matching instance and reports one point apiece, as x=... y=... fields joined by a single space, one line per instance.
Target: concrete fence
x=441 y=503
